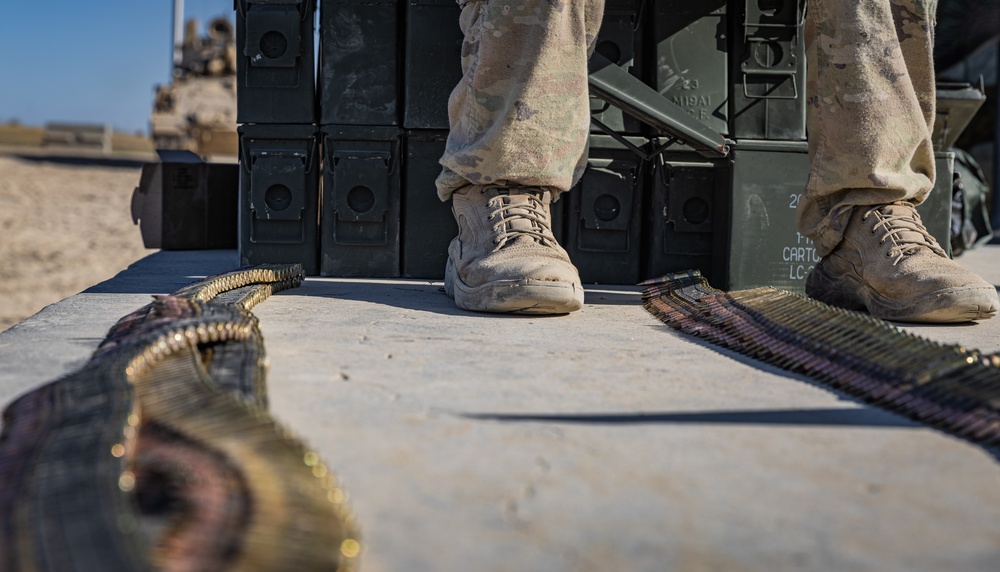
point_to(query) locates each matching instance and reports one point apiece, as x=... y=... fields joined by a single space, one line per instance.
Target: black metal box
x=184 y=203
x=359 y=70
x=361 y=201
x=768 y=70
x=433 y=62
x=275 y=62
x=683 y=215
x=428 y=225
x=603 y=233
x=279 y=195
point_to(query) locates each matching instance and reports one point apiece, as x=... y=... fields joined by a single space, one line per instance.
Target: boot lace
x=906 y=231
x=507 y=229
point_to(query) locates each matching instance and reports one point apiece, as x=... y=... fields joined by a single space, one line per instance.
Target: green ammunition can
x=682 y=216
x=428 y=225
x=620 y=40
x=359 y=62
x=433 y=62
x=768 y=70
x=603 y=232
x=361 y=201
x=275 y=61
x=764 y=247
x=279 y=195
x=691 y=66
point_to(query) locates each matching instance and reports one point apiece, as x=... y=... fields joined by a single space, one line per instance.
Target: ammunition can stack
x=603 y=231
x=359 y=111
x=650 y=202
x=279 y=146
x=433 y=56
x=599 y=222
x=739 y=67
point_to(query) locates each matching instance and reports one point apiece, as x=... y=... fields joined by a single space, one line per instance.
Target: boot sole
x=949 y=305
x=525 y=296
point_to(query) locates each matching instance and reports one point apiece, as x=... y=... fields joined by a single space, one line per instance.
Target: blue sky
x=88 y=61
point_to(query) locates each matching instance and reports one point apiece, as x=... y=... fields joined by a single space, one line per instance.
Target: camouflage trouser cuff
x=520 y=115
x=829 y=232
x=445 y=193
x=870 y=110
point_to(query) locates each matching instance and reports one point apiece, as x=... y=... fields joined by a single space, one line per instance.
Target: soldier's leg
x=519 y=129
x=870 y=112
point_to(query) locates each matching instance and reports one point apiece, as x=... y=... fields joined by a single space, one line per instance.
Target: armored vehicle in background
x=197 y=111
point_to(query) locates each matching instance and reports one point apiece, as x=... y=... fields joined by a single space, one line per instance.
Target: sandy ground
x=64 y=226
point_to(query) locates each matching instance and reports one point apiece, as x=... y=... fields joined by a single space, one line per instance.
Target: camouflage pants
x=870 y=110
x=520 y=114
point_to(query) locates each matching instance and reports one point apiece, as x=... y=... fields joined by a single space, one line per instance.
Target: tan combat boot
x=505 y=258
x=889 y=264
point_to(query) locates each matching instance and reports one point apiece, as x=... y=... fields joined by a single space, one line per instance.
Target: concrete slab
x=600 y=440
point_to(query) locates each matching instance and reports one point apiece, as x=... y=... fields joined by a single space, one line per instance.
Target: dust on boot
x=505 y=257
x=890 y=265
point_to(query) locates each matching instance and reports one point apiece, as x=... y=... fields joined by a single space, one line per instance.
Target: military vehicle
x=197 y=110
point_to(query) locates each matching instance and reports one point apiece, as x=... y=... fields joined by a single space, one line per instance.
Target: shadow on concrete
x=757 y=364
x=746 y=360
x=164 y=272
x=917 y=327
x=165 y=285
x=408 y=295
x=894 y=419
x=861 y=417
x=84 y=160
x=431 y=297
x=613 y=295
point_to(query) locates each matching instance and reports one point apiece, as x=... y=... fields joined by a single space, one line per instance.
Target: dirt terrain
x=65 y=225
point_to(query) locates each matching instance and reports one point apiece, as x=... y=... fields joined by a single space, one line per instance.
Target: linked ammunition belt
x=949 y=387
x=159 y=452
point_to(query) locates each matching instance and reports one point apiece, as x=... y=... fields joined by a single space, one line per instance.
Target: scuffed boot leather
x=890 y=265
x=505 y=258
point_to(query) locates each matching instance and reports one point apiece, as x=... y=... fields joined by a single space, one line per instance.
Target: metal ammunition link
x=949 y=387
x=156 y=372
